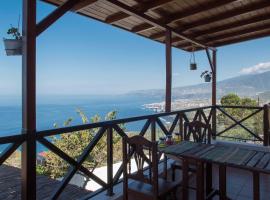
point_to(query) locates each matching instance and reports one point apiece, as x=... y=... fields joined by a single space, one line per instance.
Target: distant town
x=179 y=104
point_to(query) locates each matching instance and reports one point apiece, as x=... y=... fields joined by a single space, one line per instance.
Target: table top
x=235 y=156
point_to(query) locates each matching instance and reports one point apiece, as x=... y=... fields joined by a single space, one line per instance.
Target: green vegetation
x=254 y=123
x=74 y=144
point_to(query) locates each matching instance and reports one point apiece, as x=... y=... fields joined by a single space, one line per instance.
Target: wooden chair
x=193 y=131
x=143 y=184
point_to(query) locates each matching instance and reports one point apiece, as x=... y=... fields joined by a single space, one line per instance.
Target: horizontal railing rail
x=152 y=125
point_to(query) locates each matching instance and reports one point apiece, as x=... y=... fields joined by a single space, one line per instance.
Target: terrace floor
x=239 y=186
x=10 y=186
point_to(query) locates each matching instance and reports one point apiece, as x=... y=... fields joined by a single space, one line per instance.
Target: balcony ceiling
x=195 y=24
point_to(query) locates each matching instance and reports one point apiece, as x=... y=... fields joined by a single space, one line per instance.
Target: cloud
x=259 y=68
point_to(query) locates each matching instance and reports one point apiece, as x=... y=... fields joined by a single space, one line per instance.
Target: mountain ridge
x=244 y=85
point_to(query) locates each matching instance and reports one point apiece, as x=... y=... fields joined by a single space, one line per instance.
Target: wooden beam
x=55 y=15
x=232 y=34
x=168 y=96
x=82 y=4
x=142 y=7
x=236 y=24
x=28 y=156
x=228 y=41
x=123 y=7
x=210 y=60
x=239 y=32
x=141 y=28
x=195 y=10
x=192 y=11
x=223 y=16
x=251 y=7
x=214 y=91
x=265 y=33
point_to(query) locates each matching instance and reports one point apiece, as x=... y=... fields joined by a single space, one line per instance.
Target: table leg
x=165 y=167
x=208 y=178
x=185 y=179
x=222 y=182
x=200 y=181
x=256 y=185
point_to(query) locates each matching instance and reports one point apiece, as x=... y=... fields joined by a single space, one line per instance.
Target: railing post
x=28 y=156
x=214 y=121
x=266 y=125
x=181 y=128
x=110 y=161
x=153 y=129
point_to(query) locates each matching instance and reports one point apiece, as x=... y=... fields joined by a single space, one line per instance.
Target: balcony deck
x=239 y=186
x=10 y=186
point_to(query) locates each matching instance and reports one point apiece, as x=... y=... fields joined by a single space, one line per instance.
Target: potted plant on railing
x=13 y=46
x=207 y=76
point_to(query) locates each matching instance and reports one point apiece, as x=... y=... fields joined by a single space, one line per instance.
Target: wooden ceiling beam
x=265 y=33
x=195 y=10
x=55 y=15
x=231 y=36
x=234 y=33
x=82 y=4
x=227 y=14
x=141 y=27
x=141 y=7
x=131 y=11
x=223 y=16
x=180 y=15
x=236 y=24
x=240 y=32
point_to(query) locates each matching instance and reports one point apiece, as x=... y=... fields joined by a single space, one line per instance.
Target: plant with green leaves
x=75 y=143
x=253 y=123
x=14 y=32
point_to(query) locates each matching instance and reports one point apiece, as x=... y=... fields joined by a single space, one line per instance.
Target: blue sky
x=78 y=55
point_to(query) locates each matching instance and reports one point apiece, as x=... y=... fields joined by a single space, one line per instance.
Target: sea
x=55 y=110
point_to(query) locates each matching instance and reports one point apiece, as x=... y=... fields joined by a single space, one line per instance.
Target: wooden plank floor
x=10 y=186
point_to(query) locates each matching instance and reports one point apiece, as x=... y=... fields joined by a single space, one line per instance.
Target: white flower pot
x=13 y=47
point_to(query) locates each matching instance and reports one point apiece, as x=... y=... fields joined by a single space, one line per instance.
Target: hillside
x=246 y=85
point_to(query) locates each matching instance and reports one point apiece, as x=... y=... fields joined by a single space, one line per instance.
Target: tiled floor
x=239 y=186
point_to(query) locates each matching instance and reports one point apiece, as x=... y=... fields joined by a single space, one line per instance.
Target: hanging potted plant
x=14 y=45
x=207 y=76
x=192 y=61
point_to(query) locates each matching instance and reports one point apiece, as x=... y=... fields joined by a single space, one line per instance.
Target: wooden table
x=255 y=160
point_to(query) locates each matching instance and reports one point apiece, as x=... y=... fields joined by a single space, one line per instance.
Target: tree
x=254 y=123
x=74 y=144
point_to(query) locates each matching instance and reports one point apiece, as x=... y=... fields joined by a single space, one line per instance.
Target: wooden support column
x=168 y=97
x=266 y=125
x=110 y=161
x=29 y=100
x=214 y=92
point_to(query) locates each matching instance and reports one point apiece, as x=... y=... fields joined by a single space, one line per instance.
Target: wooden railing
x=253 y=117
x=153 y=125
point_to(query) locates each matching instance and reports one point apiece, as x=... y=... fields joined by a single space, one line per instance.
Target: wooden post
x=214 y=93
x=29 y=100
x=168 y=97
x=110 y=161
x=153 y=130
x=266 y=125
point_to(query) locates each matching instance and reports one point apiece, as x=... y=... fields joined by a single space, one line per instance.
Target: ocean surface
x=56 y=110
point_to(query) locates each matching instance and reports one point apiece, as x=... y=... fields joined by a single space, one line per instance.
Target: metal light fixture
x=192 y=64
